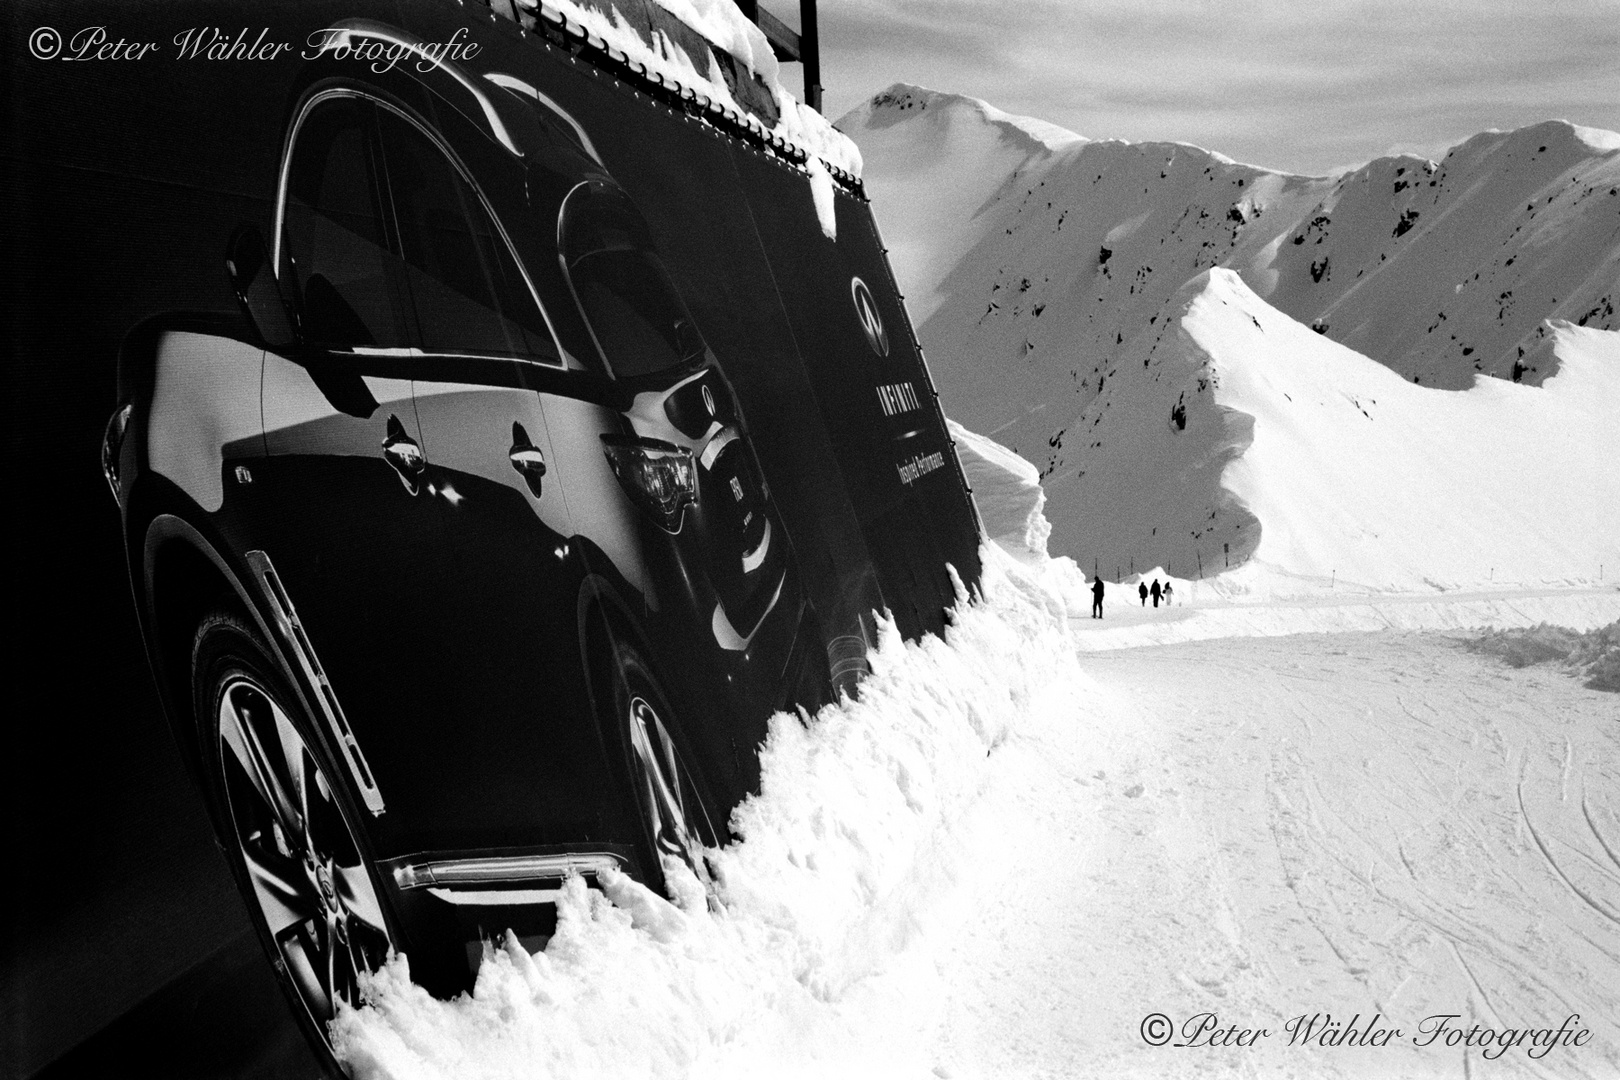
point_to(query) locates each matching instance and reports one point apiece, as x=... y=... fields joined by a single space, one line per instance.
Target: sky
x=1306 y=86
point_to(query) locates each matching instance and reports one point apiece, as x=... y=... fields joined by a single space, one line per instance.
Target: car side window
x=623 y=291
x=344 y=274
x=466 y=287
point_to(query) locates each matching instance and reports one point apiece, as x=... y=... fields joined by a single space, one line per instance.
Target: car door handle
x=527 y=459
x=403 y=453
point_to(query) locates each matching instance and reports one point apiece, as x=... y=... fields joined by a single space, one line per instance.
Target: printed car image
x=687 y=435
x=476 y=546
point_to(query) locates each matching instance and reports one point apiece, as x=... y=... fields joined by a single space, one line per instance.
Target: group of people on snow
x=1158 y=592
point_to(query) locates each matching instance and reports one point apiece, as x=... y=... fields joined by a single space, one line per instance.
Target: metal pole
x=810 y=53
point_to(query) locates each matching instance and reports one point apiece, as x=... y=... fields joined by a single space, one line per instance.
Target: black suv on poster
x=457 y=552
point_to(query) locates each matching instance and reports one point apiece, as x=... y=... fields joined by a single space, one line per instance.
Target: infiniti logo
x=866 y=311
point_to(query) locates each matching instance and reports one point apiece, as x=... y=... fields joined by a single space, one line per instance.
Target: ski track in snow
x=1388 y=824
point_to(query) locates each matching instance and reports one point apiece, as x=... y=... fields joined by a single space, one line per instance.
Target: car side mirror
x=247 y=266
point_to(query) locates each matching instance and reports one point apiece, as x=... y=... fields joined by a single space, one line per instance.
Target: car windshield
x=623 y=291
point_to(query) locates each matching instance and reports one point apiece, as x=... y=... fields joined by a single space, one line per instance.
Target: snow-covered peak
x=1012 y=252
x=946 y=158
x=903 y=100
x=1556 y=137
x=1596 y=138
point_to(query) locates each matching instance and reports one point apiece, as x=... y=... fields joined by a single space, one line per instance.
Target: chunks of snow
x=723 y=25
x=1594 y=655
x=821 y=192
x=818 y=963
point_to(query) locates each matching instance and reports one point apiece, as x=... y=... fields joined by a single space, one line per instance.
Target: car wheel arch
x=184 y=578
x=602 y=612
x=605 y=617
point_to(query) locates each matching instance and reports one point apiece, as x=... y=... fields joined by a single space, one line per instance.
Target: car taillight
x=659 y=477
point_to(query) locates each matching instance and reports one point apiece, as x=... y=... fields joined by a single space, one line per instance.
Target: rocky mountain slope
x=1051 y=277
x=1017 y=237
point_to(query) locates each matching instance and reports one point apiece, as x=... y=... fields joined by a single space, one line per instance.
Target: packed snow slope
x=1018 y=241
x=1098 y=308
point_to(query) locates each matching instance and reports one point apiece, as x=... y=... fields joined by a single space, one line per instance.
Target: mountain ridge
x=1052 y=287
x=1494 y=206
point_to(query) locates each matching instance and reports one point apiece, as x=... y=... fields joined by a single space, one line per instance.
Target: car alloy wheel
x=298 y=858
x=676 y=823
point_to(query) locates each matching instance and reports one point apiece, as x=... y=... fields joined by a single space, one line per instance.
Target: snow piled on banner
x=722 y=24
x=821 y=960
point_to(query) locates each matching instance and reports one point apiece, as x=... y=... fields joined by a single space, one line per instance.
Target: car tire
x=286 y=823
x=676 y=828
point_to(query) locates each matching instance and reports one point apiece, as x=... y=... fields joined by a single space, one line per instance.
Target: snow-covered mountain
x=1015 y=236
x=1136 y=320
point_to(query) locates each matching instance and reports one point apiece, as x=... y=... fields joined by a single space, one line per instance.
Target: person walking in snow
x=1156 y=591
x=1141 y=590
x=1096 y=598
x=1167 y=591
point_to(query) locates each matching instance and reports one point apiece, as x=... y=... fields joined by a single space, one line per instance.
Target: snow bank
x=820 y=961
x=1007 y=491
x=1594 y=655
